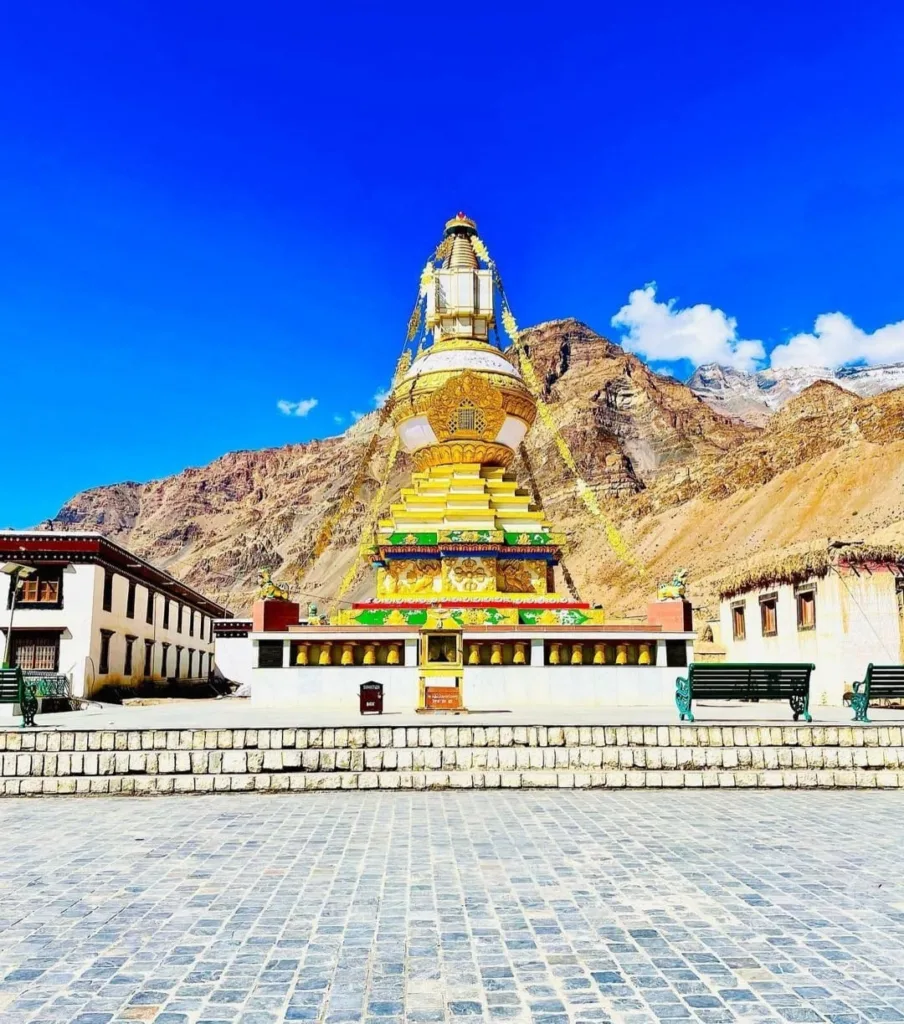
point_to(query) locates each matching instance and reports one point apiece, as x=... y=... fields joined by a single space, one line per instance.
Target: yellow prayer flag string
x=585 y=492
x=364 y=541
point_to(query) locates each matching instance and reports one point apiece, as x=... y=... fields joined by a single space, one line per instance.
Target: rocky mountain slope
x=754 y=397
x=685 y=485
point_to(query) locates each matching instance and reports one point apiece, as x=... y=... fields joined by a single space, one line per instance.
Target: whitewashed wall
x=857 y=622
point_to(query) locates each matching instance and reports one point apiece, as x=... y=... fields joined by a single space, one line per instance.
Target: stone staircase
x=47 y=761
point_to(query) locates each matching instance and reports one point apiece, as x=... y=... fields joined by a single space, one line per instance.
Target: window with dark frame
x=738 y=627
x=34 y=650
x=164 y=657
x=150 y=614
x=127 y=666
x=191 y=622
x=178 y=662
x=43 y=588
x=806 y=609
x=166 y=604
x=103 y=664
x=107 y=603
x=148 y=658
x=179 y=609
x=200 y=664
x=130 y=601
x=769 y=614
x=191 y=657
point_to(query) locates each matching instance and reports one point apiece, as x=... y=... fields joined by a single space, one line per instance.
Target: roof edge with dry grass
x=796 y=566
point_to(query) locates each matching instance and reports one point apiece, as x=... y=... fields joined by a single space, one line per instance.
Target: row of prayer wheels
x=600 y=654
x=343 y=653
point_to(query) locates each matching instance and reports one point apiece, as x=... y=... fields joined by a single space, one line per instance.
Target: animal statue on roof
x=268 y=590
x=673 y=590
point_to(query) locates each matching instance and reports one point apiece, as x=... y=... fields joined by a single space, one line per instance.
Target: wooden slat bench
x=714 y=680
x=881 y=682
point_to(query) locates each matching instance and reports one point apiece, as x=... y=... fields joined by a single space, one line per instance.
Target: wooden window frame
x=127 y=663
x=149 y=616
x=799 y=598
x=22 y=638
x=164 y=657
x=103 y=661
x=42 y=589
x=765 y=601
x=106 y=602
x=179 y=609
x=130 y=601
x=166 y=604
x=739 y=606
x=148 y=659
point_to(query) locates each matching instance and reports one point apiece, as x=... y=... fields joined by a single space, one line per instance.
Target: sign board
x=442 y=697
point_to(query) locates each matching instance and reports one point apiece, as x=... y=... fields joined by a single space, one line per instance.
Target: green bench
x=881 y=682
x=715 y=680
x=28 y=688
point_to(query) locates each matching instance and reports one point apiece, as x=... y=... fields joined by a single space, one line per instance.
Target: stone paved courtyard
x=381 y=907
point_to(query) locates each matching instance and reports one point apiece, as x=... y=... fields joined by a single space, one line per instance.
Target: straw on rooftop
x=797 y=565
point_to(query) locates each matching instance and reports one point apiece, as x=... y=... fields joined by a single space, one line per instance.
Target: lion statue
x=270 y=591
x=675 y=588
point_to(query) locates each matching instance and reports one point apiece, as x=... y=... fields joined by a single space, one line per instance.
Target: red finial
x=461 y=216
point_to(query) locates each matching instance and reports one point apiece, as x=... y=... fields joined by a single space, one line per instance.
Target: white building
x=322 y=667
x=94 y=612
x=840 y=608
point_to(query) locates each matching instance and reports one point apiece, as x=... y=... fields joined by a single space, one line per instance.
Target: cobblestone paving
x=379 y=907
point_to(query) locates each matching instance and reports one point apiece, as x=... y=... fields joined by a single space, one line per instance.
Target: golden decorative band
x=456 y=452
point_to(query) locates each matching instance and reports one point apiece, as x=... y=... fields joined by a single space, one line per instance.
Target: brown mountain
x=683 y=484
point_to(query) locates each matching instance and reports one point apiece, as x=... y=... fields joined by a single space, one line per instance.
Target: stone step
x=354 y=738
x=150 y=785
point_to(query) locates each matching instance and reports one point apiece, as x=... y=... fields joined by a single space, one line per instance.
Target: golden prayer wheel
x=370 y=654
x=577 y=654
x=621 y=656
x=495 y=654
x=555 y=654
x=599 y=654
x=392 y=658
x=348 y=654
x=326 y=653
x=474 y=654
x=301 y=658
x=520 y=656
x=644 y=658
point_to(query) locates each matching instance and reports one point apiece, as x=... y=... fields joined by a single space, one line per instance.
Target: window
x=127 y=666
x=178 y=618
x=108 y=591
x=806 y=609
x=103 y=665
x=178 y=661
x=200 y=664
x=43 y=587
x=270 y=654
x=163 y=659
x=35 y=651
x=191 y=623
x=738 y=630
x=150 y=615
x=148 y=658
x=769 y=614
x=166 y=605
x=191 y=658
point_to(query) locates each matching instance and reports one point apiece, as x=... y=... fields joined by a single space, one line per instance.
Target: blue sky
x=211 y=208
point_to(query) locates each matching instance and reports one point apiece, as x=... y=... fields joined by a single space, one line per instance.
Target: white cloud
x=338 y=419
x=380 y=397
x=837 y=340
x=357 y=415
x=701 y=333
x=301 y=408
